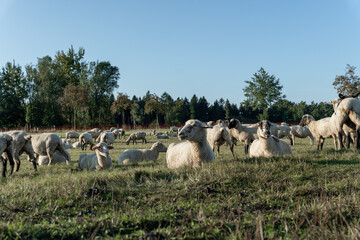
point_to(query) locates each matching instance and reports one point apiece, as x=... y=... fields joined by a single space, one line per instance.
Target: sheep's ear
x=341 y=96
x=110 y=147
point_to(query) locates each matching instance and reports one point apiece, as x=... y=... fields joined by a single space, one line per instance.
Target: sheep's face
x=102 y=149
x=306 y=119
x=264 y=129
x=160 y=147
x=233 y=123
x=194 y=130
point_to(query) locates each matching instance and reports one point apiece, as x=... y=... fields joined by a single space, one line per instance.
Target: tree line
x=67 y=90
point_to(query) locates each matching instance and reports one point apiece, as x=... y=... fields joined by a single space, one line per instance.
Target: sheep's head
x=194 y=130
x=264 y=129
x=28 y=148
x=159 y=146
x=233 y=123
x=102 y=149
x=306 y=119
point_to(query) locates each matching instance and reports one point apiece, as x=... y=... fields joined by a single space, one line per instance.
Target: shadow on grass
x=336 y=162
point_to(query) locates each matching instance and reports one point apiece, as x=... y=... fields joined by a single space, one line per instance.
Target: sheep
x=320 y=129
x=217 y=136
x=122 y=133
x=136 y=136
x=284 y=131
x=116 y=133
x=137 y=155
x=57 y=158
x=67 y=143
x=107 y=137
x=243 y=133
x=96 y=130
x=76 y=144
x=194 y=151
x=162 y=136
x=47 y=144
x=301 y=132
x=86 y=139
x=174 y=129
x=69 y=135
x=94 y=134
x=21 y=143
x=347 y=111
x=6 y=142
x=113 y=129
x=267 y=145
x=97 y=161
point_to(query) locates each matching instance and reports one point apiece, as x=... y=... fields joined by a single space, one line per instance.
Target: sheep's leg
x=17 y=161
x=357 y=137
x=335 y=142
x=11 y=161
x=291 y=141
x=218 y=150
x=322 y=142
x=64 y=153
x=318 y=143
x=3 y=160
x=50 y=155
x=246 y=148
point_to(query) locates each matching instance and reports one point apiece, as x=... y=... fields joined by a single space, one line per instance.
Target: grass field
x=309 y=195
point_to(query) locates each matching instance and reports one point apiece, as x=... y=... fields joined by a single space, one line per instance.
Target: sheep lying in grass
x=21 y=143
x=6 y=142
x=76 y=144
x=195 y=151
x=136 y=136
x=47 y=144
x=137 y=155
x=267 y=145
x=69 y=135
x=97 y=161
x=320 y=129
x=244 y=134
x=85 y=139
x=217 y=136
x=57 y=158
x=107 y=137
x=301 y=132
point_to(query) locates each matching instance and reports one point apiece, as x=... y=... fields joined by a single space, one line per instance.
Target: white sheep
x=86 y=139
x=97 y=161
x=301 y=132
x=107 y=137
x=136 y=136
x=268 y=145
x=67 y=143
x=243 y=133
x=47 y=144
x=137 y=155
x=320 y=129
x=94 y=134
x=57 y=158
x=72 y=135
x=21 y=143
x=174 y=129
x=162 y=136
x=5 y=147
x=284 y=131
x=122 y=133
x=194 y=151
x=217 y=136
x=76 y=144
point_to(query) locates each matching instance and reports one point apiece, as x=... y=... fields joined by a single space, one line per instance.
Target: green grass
x=309 y=195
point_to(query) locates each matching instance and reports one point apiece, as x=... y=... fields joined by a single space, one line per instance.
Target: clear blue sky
x=183 y=47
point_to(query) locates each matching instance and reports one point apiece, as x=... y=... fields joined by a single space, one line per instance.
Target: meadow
x=309 y=195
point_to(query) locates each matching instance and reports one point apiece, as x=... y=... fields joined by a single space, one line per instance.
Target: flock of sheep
x=198 y=140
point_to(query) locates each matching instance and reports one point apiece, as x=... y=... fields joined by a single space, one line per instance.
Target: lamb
x=21 y=143
x=301 y=132
x=97 y=161
x=136 y=136
x=107 y=137
x=217 y=136
x=195 y=151
x=244 y=134
x=6 y=142
x=268 y=145
x=86 y=139
x=320 y=129
x=67 y=143
x=69 y=135
x=57 y=158
x=47 y=144
x=137 y=155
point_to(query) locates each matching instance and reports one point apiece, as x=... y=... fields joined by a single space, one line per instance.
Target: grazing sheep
x=21 y=143
x=94 y=134
x=195 y=151
x=6 y=142
x=174 y=129
x=136 y=136
x=86 y=139
x=69 y=135
x=301 y=132
x=320 y=129
x=243 y=133
x=267 y=145
x=76 y=144
x=116 y=133
x=97 y=161
x=96 y=130
x=137 y=155
x=47 y=144
x=57 y=158
x=67 y=143
x=107 y=137
x=113 y=129
x=122 y=133
x=217 y=136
